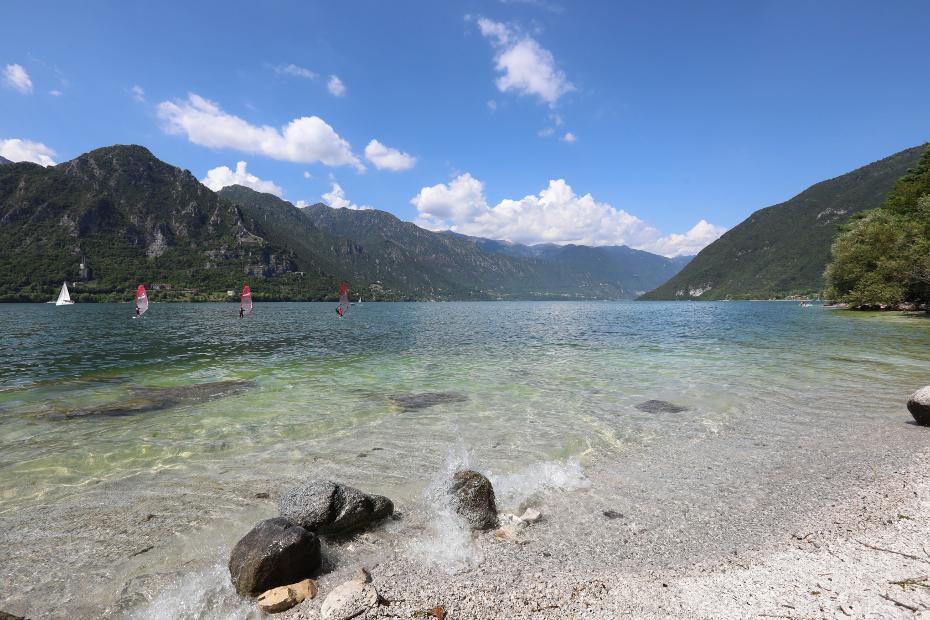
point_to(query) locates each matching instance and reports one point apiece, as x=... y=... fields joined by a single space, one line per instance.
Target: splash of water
x=515 y=490
x=205 y=595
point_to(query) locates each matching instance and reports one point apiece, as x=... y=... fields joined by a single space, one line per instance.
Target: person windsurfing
x=343 y=299
x=142 y=301
x=245 y=302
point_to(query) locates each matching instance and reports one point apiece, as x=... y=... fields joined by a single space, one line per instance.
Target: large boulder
x=919 y=405
x=473 y=498
x=275 y=553
x=332 y=509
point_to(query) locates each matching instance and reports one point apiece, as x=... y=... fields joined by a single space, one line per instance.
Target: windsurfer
x=138 y=313
x=241 y=312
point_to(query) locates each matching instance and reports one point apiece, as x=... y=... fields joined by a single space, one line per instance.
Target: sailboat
x=343 y=299
x=245 y=301
x=64 y=299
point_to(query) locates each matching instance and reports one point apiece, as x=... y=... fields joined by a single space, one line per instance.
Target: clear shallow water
x=539 y=394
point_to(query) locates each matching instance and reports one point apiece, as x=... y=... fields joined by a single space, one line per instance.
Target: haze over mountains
x=783 y=250
x=133 y=218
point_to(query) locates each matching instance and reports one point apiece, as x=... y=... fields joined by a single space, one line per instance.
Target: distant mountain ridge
x=783 y=250
x=129 y=218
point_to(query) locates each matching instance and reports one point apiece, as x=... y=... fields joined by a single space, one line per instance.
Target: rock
x=275 y=553
x=473 y=498
x=283 y=598
x=919 y=405
x=613 y=514
x=660 y=406
x=906 y=306
x=530 y=515
x=415 y=402
x=510 y=533
x=5 y=616
x=350 y=600
x=362 y=575
x=332 y=509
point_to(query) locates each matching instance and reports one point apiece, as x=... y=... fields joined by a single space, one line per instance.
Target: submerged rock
x=283 y=598
x=274 y=553
x=660 y=406
x=6 y=616
x=332 y=509
x=415 y=402
x=145 y=400
x=473 y=498
x=919 y=405
x=350 y=600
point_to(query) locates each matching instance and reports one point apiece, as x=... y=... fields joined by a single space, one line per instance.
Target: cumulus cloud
x=336 y=198
x=222 y=176
x=138 y=93
x=306 y=140
x=15 y=149
x=555 y=215
x=700 y=236
x=569 y=137
x=335 y=86
x=15 y=77
x=296 y=71
x=525 y=66
x=307 y=175
x=385 y=158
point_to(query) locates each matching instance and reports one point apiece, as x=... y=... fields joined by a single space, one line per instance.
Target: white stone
x=350 y=600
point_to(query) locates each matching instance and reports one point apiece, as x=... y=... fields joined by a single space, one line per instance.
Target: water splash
x=513 y=491
x=205 y=595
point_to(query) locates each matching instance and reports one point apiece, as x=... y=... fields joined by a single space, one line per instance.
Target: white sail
x=64 y=299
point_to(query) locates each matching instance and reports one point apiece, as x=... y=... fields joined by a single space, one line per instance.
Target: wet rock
x=919 y=405
x=415 y=402
x=283 y=598
x=660 y=406
x=332 y=509
x=5 y=616
x=473 y=498
x=146 y=400
x=274 y=553
x=613 y=514
x=350 y=600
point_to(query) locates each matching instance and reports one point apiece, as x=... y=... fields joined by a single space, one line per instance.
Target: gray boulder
x=275 y=553
x=919 y=405
x=473 y=498
x=331 y=509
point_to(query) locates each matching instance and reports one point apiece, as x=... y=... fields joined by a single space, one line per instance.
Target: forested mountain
x=118 y=216
x=782 y=250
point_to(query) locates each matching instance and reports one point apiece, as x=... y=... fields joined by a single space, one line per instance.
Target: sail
x=343 y=298
x=142 y=300
x=63 y=297
x=246 y=301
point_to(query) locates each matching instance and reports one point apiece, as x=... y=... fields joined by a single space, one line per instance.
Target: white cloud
x=306 y=140
x=55 y=93
x=569 y=137
x=336 y=198
x=492 y=105
x=307 y=175
x=301 y=204
x=700 y=236
x=385 y=158
x=15 y=149
x=138 y=93
x=295 y=70
x=335 y=86
x=222 y=176
x=525 y=66
x=555 y=215
x=545 y=132
x=16 y=78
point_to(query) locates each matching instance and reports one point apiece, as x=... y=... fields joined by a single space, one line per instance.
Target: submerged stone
x=274 y=553
x=660 y=406
x=472 y=497
x=332 y=509
x=145 y=400
x=919 y=405
x=415 y=402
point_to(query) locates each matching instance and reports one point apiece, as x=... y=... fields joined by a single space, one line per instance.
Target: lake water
x=119 y=433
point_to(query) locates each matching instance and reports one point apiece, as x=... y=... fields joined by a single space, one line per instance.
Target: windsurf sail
x=142 y=300
x=246 y=302
x=343 y=299
x=64 y=299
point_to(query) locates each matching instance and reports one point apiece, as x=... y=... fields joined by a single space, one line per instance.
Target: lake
x=120 y=434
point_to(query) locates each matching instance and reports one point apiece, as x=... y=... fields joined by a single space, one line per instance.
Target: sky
x=657 y=125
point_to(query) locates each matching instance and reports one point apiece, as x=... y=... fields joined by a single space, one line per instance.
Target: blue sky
x=547 y=120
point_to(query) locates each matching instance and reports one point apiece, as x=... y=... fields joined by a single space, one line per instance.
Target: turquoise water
x=96 y=408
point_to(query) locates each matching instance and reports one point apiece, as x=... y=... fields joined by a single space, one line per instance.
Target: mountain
x=4 y=160
x=135 y=219
x=783 y=249
x=396 y=256
x=117 y=216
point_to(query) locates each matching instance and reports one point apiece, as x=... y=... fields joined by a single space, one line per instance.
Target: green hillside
x=782 y=250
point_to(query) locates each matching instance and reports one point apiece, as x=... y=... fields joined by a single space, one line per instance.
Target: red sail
x=142 y=300
x=343 y=298
x=245 y=302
